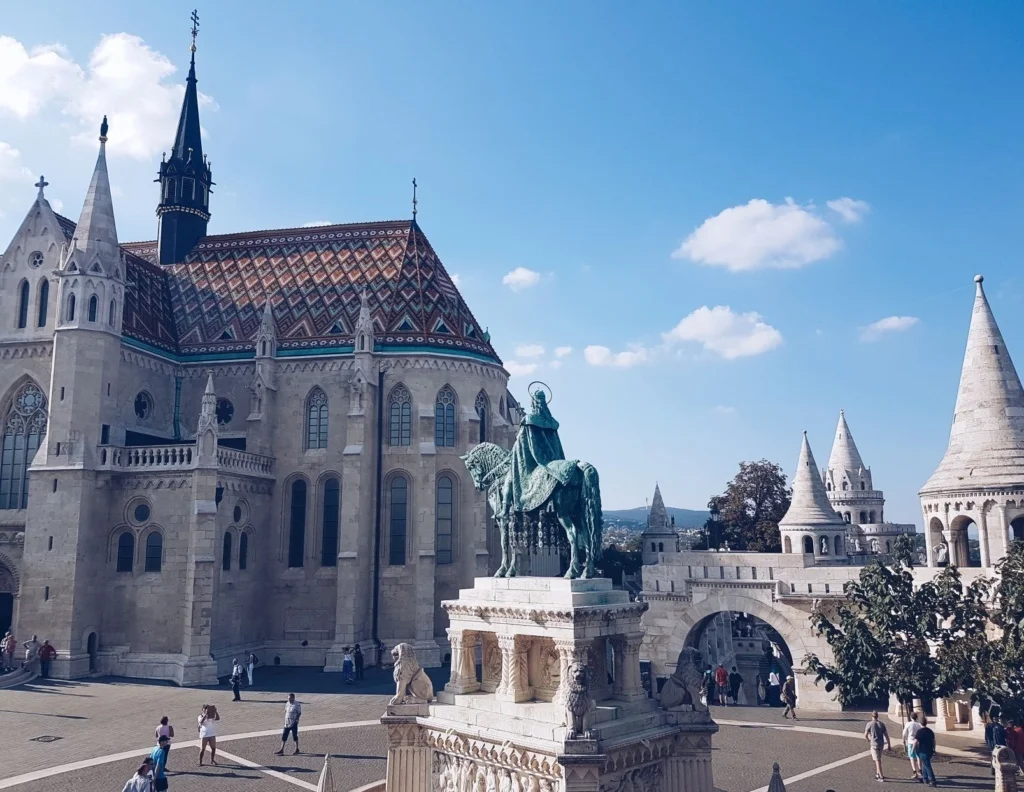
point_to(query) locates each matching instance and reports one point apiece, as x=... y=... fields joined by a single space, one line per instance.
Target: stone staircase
x=15 y=678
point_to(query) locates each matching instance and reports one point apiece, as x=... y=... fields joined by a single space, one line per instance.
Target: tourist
x=774 y=686
x=924 y=746
x=250 y=665
x=762 y=694
x=722 y=684
x=159 y=757
x=998 y=738
x=46 y=655
x=292 y=713
x=789 y=696
x=31 y=653
x=357 y=656
x=878 y=739
x=348 y=666
x=1015 y=742
x=709 y=687
x=735 y=681
x=140 y=780
x=7 y=647
x=910 y=730
x=164 y=730
x=208 y=732
x=236 y=678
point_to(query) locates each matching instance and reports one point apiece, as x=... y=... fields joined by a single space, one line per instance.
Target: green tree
x=750 y=509
x=616 y=561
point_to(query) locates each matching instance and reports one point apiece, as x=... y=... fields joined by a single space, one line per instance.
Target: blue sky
x=636 y=159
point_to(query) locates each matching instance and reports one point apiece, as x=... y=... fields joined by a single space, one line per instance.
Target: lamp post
x=715 y=528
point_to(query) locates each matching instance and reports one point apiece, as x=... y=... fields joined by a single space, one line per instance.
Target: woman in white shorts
x=208 y=732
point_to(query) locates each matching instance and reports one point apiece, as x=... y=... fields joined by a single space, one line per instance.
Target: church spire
x=845 y=455
x=810 y=505
x=657 y=517
x=185 y=177
x=96 y=232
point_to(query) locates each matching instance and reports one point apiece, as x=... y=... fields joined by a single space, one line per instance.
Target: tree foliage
x=751 y=507
x=616 y=561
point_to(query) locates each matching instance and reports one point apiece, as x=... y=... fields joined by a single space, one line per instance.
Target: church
x=215 y=443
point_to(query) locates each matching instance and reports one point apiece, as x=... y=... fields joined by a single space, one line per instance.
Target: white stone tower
x=659 y=536
x=812 y=526
x=980 y=480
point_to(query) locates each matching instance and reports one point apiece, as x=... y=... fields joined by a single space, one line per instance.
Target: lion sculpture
x=684 y=686
x=578 y=703
x=412 y=685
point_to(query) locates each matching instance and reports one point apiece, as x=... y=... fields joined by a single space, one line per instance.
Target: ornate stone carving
x=514 y=684
x=683 y=687
x=412 y=685
x=463 y=677
x=578 y=703
x=641 y=779
x=492 y=664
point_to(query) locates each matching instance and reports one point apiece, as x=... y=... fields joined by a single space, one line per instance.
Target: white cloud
x=316 y=223
x=761 y=235
x=724 y=409
x=849 y=209
x=12 y=169
x=597 y=355
x=726 y=333
x=124 y=79
x=563 y=351
x=529 y=351
x=890 y=324
x=521 y=278
x=516 y=369
x=555 y=364
x=456 y=279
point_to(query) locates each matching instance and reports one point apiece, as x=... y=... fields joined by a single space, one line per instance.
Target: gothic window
x=297 y=524
x=331 y=515
x=71 y=308
x=444 y=418
x=93 y=305
x=23 y=305
x=400 y=414
x=225 y=561
x=44 y=301
x=154 y=551
x=501 y=407
x=316 y=419
x=188 y=188
x=845 y=486
x=828 y=486
x=36 y=259
x=24 y=430
x=125 y=551
x=243 y=550
x=111 y=313
x=397 y=520
x=225 y=412
x=143 y=405
x=482 y=410
x=445 y=517
x=862 y=485
x=170 y=190
x=787 y=545
x=808 y=545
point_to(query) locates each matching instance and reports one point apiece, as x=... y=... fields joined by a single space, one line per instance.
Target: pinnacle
x=657 y=517
x=810 y=504
x=96 y=231
x=845 y=455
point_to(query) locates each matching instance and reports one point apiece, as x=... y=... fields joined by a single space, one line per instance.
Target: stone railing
x=243 y=462
x=146 y=458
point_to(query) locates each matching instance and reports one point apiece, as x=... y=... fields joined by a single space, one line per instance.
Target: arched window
x=24 y=430
x=23 y=305
x=787 y=545
x=863 y=517
x=297 y=524
x=845 y=486
x=862 y=485
x=331 y=515
x=125 y=551
x=111 y=313
x=871 y=517
x=400 y=412
x=661 y=547
x=653 y=547
x=828 y=486
x=808 y=545
x=154 y=551
x=243 y=550
x=846 y=517
x=71 y=307
x=93 y=307
x=225 y=561
x=444 y=418
x=397 y=519
x=444 y=515
x=44 y=301
x=482 y=411
x=888 y=547
x=839 y=545
x=316 y=419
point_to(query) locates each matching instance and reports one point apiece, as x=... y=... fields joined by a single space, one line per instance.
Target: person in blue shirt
x=159 y=761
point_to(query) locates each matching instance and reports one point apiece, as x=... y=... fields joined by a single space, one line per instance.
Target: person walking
x=164 y=729
x=722 y=684
x=709 y=686
x=789 y=696
x=773 y=688
x=140 y=780
x=878 y=739
x=251 y=661
x=762 y=694
x=159 y=757
x=7 y=647
x=347 y=667
x=735 y=681
x=910 y=730
x=357 y=656
x=46 y=655
x=236 y=678
x=924 y=746
x=292 y=713
x=208 y=722
x=998 y=738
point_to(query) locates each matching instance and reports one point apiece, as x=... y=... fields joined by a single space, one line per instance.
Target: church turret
x=185 y=179
x=811 y=526
x=659 y=536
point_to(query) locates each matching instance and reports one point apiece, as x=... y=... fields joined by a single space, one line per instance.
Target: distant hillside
x=685 y=518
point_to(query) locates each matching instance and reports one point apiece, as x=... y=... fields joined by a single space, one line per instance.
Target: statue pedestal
x=502 y=725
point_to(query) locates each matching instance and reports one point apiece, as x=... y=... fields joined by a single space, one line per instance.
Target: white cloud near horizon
x=521 y=278
x=517 y=369
x=563 y=351
x=890 y=324
x=724 y=332
x=762 y=235
x=529 y=351
x=597 y=355
x=124 y=79
x=849 y=209
x=12 y=168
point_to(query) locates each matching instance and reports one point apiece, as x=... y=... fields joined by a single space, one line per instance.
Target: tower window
x=143 y=405
x=225 y=561
x=329 y=529
x=125 y=551
x=400 y=415
x=188 y=189
x=398 y=506
x=93 y=307
x=862 y=485
x=316 y=419
x=171 y=194
x=482 y=407
x=444 y=418
x=243 y=550
x=225 y=412
x=154 y=551
x=23 y=305
x=24 y=431
x=44 y=301
x=297 y=524
x=111 y=313
x=71 y=308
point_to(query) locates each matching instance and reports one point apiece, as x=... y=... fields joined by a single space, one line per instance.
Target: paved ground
x=104 y=725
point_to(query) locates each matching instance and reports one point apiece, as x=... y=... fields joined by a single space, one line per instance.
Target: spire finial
x=104 y=127
x=42 y=184
x=195 y=30
x=414 y=201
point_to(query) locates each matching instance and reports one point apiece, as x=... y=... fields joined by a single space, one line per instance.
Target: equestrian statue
x=533 y=489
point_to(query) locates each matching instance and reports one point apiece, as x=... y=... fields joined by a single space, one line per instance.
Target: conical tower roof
x=845 y=455
x=96 y=231
x=986 y=443
x=810 y=504
x=657 y=517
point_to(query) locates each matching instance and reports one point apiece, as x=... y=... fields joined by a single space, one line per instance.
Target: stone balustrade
x=244 y=462
x=159 y=459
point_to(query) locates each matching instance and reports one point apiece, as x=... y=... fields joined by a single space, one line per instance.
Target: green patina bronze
x=534 y=489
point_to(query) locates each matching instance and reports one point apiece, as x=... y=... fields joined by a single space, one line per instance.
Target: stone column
x=514 y=685
x=598 y=664
x=627 y=667
x=569 y=652
x=463 y=678
x=409 y=755
x=583 y=773
x=983 y=538
x=1004 y=534
x=491 y=661
x=929 y=544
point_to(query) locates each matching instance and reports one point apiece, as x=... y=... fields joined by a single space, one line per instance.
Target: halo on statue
x=541 y=386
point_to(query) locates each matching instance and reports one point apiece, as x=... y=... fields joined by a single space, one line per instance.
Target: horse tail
x=592 y=514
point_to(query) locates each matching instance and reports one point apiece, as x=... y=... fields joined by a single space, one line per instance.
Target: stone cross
x=41 y=184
